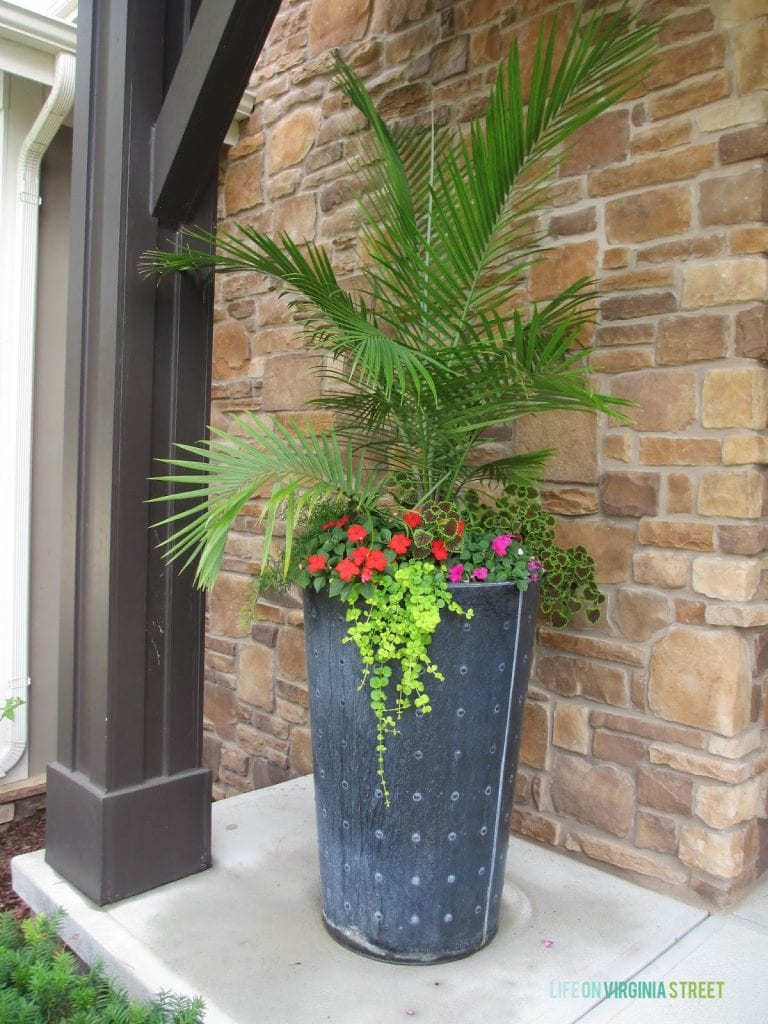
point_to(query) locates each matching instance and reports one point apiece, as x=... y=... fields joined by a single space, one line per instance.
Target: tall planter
x=421 y=880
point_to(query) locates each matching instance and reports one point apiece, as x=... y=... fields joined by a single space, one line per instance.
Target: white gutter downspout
x=21 y=364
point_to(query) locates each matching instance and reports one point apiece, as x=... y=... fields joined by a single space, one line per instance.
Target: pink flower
x=456 y=572
x=501 y=544
x=480 y=573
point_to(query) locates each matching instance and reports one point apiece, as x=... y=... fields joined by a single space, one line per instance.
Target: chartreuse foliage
x=432 y=348
x=41 y=982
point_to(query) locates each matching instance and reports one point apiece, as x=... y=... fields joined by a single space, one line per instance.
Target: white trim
x=21 y=375
x=37 y=31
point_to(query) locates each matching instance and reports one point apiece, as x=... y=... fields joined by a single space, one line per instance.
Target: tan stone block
x=675 y=166
x=717 y=853
x=648 y=728
x=609 y=544
x=679 y=451
x=732 y=493
x=243 y=184
x=742 y=616
x=569 y=501
x=290 y=381
x=660 y=570
x=255 y=678
x=291 y=139
x=600 y=795
x=658 y=137
x=294 y=692
x=751 y=48
x=744 y=743
x=639 y=614
x=625 y=750
x=231 y=352
x=691 y=96
x=621 y=360
x=609 y=335
x=743 y=449
x=724 y=282
x=679 y=494
x=561 y=268
x=618 y=447
x=271 y=748
x=534 y=740
x=733 y=12
x=629 y=494
x=614 y=259
x=648 y=215
x=701 y=678
x=291 y=656
x=570 y=729
x=291 y=713
x=226 y=604
x=220 y=710
x=743 y=539
x=591 y=647
x=689 y=612
x=572 y=676
x=581 y=222
x=725 y=806
x=603 y=141
x=234 y=760
x=333 y=22
x=536 y=826
x=632 y=307
x=655 y=833
x=734 y=198
x=300 y=753
x=648 y=864
x=752 y=332
x=733 y=112
x=297 y=217
x=726 y=579
x=700 y=764
x=691 y=339
x=573 y=436
x=687 y=60
x=735 y=398
x=748 y=240
x=666 y=401
x=666 y=791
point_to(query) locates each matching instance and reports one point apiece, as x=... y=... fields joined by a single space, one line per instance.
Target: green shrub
x=41 y=982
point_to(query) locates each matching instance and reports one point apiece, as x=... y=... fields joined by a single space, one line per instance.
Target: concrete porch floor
x=247 y=936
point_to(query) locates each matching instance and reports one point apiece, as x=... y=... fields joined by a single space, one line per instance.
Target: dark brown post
x=158 y=84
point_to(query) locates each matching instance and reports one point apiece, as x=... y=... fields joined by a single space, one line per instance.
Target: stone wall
x=642 y=744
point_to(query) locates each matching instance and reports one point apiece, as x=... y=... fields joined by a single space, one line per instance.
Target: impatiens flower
x=439 y=551
x=412 y=519
x=347 y=569
x=400 y=543
x=360 y=554
x=356 y=533
x=480 y=573
x=377 y=561
x=501 y=543
x=335 y=522
x=456 y=572
x=316 y=562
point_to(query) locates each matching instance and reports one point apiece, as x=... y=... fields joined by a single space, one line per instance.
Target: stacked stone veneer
x=644 y=743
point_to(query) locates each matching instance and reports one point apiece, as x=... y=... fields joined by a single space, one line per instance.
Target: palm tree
x=433 y=350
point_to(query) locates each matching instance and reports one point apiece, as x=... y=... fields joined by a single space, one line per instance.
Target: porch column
x=128 y=800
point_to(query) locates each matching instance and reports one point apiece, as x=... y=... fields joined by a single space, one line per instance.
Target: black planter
x=420 y=881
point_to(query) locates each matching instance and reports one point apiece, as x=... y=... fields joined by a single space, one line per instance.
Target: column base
x=117 y=844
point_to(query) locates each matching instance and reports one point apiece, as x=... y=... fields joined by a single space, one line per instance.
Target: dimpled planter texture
x=420 y=881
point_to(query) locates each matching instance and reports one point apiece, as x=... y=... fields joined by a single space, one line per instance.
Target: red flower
x=343 y=521
x=316 y=562
x=359 y=555
x=335 y=522
x=366 y=575
x=400 y=543
x=356 y=533
x=347 y=569
x=439 y=550
x=377 y=561
x=412 y=519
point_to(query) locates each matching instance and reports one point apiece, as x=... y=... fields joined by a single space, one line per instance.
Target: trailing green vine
x=395 y=623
